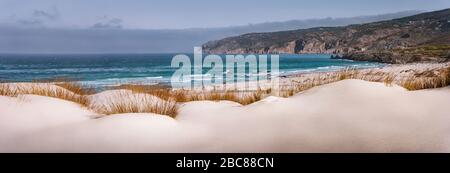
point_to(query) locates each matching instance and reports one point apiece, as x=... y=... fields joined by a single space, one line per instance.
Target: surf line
x=236 y=69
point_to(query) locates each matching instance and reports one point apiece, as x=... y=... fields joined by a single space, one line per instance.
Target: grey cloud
x=114 y=23
x=31 y=22
x=38 y=17
x=48 y=40
x=47 y=15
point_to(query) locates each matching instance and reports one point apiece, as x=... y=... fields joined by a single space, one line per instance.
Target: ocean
x=102 y=70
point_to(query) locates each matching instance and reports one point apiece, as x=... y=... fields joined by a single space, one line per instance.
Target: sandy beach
x=348 y=115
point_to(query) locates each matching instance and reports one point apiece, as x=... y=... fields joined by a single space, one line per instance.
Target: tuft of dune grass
x=70 y=91
x=241 y=97
x=428 y=79
x=8 y=90
x=388 y=79
x=129 y=102
x=49 y=90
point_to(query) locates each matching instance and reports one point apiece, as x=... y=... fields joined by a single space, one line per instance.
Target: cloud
x=46 y=15
x=69 y=40
x=108 y=23
x=30 y=22
x=38 y=17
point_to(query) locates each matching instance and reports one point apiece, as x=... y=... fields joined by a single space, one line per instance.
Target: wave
x=145 y=71
x=84 y=70
x=120 y=81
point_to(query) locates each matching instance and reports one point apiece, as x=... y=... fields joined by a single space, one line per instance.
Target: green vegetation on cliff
x=422 y=37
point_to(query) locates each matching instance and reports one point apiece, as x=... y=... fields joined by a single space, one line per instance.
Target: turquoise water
x=112 y=69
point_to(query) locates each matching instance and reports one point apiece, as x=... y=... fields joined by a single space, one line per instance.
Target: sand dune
x=346 y=116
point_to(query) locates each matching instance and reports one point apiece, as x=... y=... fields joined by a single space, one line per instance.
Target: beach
x=352 y=114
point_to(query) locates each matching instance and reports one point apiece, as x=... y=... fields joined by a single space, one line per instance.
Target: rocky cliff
x=422 y=37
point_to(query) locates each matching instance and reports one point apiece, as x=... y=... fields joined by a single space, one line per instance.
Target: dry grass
x=428 y=79
x=8 y=90
x=68 y=84
x=162 y=92
x=130 y=102
x=241 y=97
x=321 y=79
x=70 y=91
x=49 y=90
x=434 y=78
x=425 y=80
x=348 y=73
x=389 y=79
x=76 y=88
x=182 y=95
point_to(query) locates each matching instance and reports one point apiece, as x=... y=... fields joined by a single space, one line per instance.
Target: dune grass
x=142 y=99
x=183 y=95
x=8 y=90
x=50 y=90
x=241 y=97
x=321 y=79
x=77 y=93
x=162 y=92
x=76 y=88
x=130 y=102
x=424 y=80
x=428 y=79
x=70 y=91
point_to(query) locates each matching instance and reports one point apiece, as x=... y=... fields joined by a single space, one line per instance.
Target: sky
x=179 y=14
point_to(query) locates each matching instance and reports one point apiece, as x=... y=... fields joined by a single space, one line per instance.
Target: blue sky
x=175 y=14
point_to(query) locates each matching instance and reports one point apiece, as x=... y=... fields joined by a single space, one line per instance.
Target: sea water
x=101 y=70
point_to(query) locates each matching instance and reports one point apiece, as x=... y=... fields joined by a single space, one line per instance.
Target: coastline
x=348 y=115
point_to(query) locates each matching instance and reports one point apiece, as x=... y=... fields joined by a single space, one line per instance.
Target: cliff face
x=423 y=37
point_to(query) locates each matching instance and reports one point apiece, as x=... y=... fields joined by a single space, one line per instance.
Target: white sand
x=346 y=116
